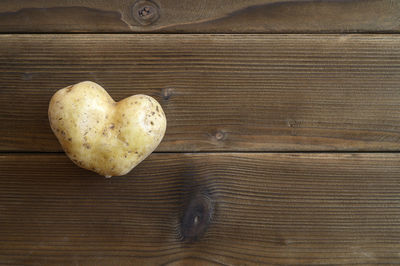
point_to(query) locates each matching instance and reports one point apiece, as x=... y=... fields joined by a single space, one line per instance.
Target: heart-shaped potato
x=102 y=135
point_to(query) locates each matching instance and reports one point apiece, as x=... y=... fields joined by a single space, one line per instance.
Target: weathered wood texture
x=200 y=16
x=269 y=208
x=219 y=92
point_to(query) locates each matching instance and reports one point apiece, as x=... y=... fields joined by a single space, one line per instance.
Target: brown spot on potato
x=62 y=132
x=86 y=145
x=136 y=102
x=69 y=139
x=69 y=88
x=112 y=126
x=157 y=109
x=152 y=113
x=152 y=123
x=60 y=118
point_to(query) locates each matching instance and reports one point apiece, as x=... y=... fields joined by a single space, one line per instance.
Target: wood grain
x=202 y=16
x=219 y=92
x=315 y=208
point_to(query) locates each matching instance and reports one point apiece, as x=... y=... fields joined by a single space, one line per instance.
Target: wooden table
x=283 y=133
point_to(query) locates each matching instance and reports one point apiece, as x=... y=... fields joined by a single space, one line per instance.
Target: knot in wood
x=196 y=217
x=166 y=93
x=146 y=12
x=220 y=135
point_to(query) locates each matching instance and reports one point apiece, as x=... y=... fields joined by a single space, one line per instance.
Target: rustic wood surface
x=219 y=92
x=281 y=149
x=207 y=16
x=297 y=208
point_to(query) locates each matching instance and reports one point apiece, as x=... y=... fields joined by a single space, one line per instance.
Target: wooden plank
x=274 y=208
x=200 y=16
x=219 y=92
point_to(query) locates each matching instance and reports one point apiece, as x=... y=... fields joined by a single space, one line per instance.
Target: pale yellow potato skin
x=101 y=135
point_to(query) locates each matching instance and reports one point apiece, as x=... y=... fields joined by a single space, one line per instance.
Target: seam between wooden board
x=209 y=33
x=225 y=152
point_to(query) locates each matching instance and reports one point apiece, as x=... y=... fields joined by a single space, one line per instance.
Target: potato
x=101 y=135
